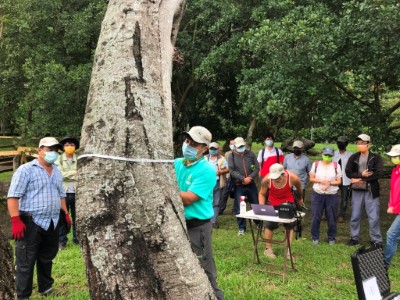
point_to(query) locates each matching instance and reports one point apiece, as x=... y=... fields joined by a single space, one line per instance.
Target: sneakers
x=332 y=243
x=240 y=232
x=352 y=242
x=315 y=242
x=269 y=253
x=340 y=219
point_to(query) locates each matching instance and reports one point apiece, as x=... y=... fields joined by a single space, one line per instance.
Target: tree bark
x=7 y=283
x=129 y=215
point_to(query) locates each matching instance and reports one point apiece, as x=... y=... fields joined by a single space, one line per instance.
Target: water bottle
x=242 y=205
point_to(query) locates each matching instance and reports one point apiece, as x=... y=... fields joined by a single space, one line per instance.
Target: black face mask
x=297 y=152
x=341 y=146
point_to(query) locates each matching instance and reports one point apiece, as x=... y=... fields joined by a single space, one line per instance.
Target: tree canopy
x=241 y=68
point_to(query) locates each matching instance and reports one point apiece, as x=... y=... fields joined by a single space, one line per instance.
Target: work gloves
x=18 y=228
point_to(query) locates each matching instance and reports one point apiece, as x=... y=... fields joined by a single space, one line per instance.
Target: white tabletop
x=250 y=215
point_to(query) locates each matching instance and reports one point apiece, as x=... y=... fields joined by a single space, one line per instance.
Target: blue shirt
x=199 y=178
x=39 y=193
x=301 y=166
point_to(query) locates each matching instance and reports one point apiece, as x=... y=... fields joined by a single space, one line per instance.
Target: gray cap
x=342 y=139
x=199 y=134
x=327 y=150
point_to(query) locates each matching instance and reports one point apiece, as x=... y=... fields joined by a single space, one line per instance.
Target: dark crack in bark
x=137 y=51
x=131 y=111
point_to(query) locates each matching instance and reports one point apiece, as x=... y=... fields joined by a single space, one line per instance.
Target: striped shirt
x=39 y=193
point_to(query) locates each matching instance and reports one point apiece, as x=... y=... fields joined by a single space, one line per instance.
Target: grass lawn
x=323 y=271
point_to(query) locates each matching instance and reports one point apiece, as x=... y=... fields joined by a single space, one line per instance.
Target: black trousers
x=37 y=247
x=70 y=201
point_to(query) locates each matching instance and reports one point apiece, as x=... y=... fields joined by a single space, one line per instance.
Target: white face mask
x=232 y=147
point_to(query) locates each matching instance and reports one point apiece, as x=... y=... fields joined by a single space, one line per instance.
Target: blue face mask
x=189 y=152
x=51 y=157
x=241 y=149
x=213 y=152
x=232 y=147
x=269 y=143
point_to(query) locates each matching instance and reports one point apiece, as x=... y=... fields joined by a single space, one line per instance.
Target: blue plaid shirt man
x=39 y=193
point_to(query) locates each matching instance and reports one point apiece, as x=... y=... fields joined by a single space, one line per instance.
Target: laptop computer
x=264 y=210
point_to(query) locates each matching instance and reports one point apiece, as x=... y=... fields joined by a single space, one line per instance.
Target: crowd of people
x=42 y=195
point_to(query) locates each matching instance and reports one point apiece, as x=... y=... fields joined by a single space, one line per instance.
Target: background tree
x=46 y=58
x=129 y=215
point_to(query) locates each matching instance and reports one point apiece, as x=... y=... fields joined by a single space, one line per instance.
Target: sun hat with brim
x=364 y=137
x=327 y=150
x=50 y=142
x=214 y=145
x=70 y=140
x=298 y=144
x=395 y=151
x=275 y=171
x=239 y=142
x=199 y=134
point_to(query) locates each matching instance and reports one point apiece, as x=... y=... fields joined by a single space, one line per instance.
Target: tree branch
x=392 y=109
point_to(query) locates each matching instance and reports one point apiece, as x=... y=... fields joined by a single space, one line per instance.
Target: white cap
x=49 y=142
x=239 y=142
x=199 y=134
x=275 y=171
x=364 y=137
x=214 y=145
x=298 y=144
x=395 y=151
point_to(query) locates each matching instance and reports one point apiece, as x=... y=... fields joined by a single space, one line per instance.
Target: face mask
x=51 y=157
x=189 y=152
x=341 y=146
x=241 y=149
x=232 y=147
x=326 y=158
x=69 y=149
x=213 y=152
x=362 y=148
x=395 y=160
x=297 y=152
x=269 y=143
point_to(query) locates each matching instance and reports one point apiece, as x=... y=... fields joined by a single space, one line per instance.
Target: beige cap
x=298 y=144
x=199 y=134
x=364 y=137
x=239 y=142
x=395 y=151
x=275 y=171
x=49 y=142
x=214 y=145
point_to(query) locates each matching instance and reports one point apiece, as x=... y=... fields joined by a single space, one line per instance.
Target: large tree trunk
x=130 y=217
x=7 y=283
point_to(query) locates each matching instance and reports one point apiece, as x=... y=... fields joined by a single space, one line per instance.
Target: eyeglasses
x=361 y=143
